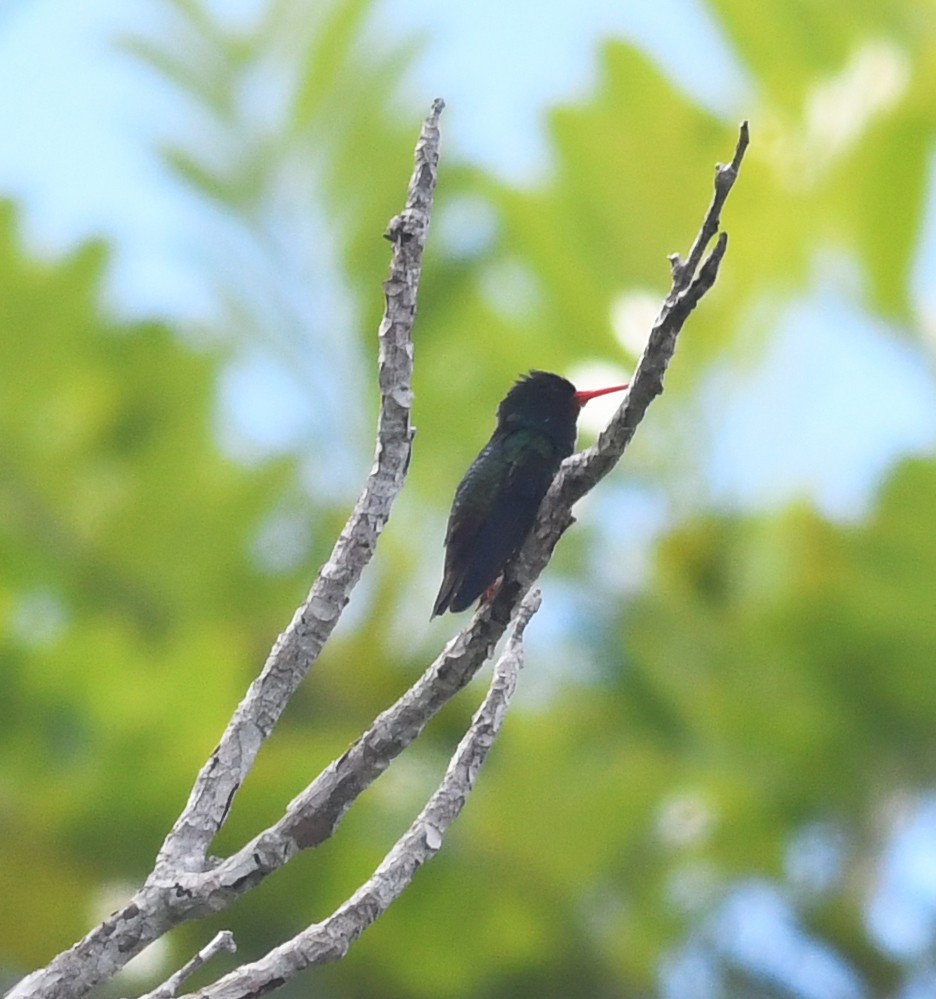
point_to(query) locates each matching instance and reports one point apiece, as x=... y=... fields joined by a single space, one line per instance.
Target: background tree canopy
x=719 y=778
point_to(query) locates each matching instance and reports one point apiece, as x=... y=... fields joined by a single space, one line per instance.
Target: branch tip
x=727 y=174
x=223 y=941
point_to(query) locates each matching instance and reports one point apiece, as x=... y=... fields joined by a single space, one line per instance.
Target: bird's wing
x=505 y=494
x=464 y=523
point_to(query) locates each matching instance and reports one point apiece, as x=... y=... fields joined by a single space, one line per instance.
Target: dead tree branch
x=186 y=883
x=186 y=846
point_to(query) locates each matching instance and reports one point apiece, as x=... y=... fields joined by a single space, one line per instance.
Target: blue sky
x=82 y=118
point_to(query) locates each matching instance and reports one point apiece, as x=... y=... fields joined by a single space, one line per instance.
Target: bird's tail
x=446 y=592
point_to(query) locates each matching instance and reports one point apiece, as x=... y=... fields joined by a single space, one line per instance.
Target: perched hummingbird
x=496 y=502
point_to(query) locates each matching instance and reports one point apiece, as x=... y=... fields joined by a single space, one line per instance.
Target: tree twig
x=725 y=176
x=223 y=941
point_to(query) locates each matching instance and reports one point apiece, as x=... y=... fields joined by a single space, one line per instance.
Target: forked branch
x=185 y=884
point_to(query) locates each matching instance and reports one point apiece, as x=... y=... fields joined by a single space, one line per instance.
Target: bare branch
x=329 y=940
x=186 y=846
x=725 y=176
x=221 y=941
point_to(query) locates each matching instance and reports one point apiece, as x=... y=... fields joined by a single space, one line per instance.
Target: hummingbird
x=496 y=502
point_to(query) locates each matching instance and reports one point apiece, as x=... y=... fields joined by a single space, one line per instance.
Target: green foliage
x=126 y=577
x=772 y=672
